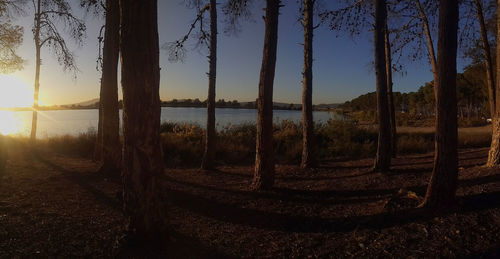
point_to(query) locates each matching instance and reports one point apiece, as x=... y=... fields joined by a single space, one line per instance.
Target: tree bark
x=208 y=161
x=142 y=154
x=443 y=182
x=308 y=159
x=264 y=158
x=390 y=95
x=383 y=157
x=34 y=120
x=111 y=146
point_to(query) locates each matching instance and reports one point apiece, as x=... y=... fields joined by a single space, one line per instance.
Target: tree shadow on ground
x=178 y=245
x=270 y=220
x=283 y=194
x=303 y=224
x=84 y=180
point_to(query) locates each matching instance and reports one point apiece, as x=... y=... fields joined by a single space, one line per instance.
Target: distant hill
x=327 y=106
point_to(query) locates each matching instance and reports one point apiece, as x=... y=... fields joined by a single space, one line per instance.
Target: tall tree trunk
x=383 y=157
x=443 y=183
x=34 y=120
x=430 y=43
x=390 y=95
x=307 y=113
x=98 y=143
x=111 y=146
x=142 y=154
x=208 y=161
x=487 y=56
x=264 y=158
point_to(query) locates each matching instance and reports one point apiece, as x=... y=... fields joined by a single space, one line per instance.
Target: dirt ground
x=57 y=206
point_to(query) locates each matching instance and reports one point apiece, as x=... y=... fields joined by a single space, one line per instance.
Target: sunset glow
x=14 y=92
x=10 y=123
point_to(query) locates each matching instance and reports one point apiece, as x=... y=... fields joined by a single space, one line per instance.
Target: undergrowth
x=183 y=144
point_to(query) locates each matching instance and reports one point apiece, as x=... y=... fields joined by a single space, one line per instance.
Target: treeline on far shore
x=418 y=108
x=195 y=103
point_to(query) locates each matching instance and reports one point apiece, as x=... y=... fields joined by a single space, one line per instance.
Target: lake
x=73 y=122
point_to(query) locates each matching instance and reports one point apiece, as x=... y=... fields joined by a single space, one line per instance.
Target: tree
x=485 y=44
x=443 y=182
x=307 y=80
x=354 y=18
x=390 y=95
x=48 y=14
x=98 y=8
x=427 y=32
x=142 y=153
x=177 y=51
x=494 y=153
x=264 y=159
x=108 y=146
x=208 y=161
x=11 y=37
x=110 y=143
x=383 y=156
x=495 y=144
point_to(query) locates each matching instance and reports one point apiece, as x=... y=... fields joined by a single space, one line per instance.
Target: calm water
x=73 y=122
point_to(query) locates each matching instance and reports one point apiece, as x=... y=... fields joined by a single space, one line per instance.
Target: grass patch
x=82 y=145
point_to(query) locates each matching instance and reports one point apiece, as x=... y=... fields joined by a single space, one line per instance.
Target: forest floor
x=57 y=206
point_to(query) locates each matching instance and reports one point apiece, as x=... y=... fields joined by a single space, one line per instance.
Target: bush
x=182 y=144
x=287 y=136
x=345 y=139
x=236 y=144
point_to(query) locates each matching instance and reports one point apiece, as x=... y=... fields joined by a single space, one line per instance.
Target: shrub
x=345 y=139
x=236 y=143
x=182 y=144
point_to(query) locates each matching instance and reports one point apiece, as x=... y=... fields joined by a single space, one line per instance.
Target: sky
x=342 y=67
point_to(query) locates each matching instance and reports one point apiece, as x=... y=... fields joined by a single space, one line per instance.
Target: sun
x=14 y=92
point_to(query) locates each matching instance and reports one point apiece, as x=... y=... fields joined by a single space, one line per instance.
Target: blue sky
x=342 y=65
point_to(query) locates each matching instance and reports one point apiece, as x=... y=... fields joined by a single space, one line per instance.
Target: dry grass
x=183 y=144
x=465 y=130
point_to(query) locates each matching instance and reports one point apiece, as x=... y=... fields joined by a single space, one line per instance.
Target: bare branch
x=176 y=50
x=235 y=11
x=52 y=13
